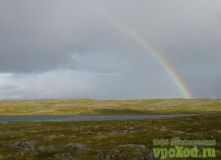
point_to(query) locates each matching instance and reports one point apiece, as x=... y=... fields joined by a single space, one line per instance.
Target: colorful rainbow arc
x=171 y=71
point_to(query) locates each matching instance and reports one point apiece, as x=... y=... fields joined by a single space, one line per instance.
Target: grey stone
x=136 y=146
x=163 y=129
x=130 y=128
x=25 y=145
x=63 y=156
x=150 y=157
x=48 y=149
x=76 y=146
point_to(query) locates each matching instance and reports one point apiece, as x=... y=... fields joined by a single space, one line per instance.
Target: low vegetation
x=89 y=106
x=118 y=140
x=104 y=140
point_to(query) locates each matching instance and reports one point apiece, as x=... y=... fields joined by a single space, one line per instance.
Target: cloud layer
x=72 y=49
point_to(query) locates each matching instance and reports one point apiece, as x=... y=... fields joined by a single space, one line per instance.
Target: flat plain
x=104 y=140
x=90 y=106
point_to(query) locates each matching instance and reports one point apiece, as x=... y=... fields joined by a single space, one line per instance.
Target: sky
x=76 y=48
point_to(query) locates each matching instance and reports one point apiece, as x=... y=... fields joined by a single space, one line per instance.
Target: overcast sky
x=73 y=49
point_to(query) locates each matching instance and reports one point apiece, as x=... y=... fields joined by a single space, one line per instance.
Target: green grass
x=89 y=106
x=104 y=138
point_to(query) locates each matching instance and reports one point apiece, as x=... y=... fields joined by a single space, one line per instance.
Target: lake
x=62 y=118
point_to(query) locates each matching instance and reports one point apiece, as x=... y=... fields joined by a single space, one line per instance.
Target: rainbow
x=157 y=54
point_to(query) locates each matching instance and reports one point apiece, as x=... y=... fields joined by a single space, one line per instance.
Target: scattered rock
x=115 y=154
x=163 y=129
x=63 y=156
x=48 y=149
x=136 y=146
x=75 y=146
x=88 y=132
x=175 y=138
x=100 y=155
x=99 y=133
x=150 y=157
x=25 y=145
x=125 y=131
x=130 y=128
x=76 y=129
x=106 y=156
x=97 y=127
x=139 y=146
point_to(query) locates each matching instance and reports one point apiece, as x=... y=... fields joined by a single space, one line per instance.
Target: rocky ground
x=120 y=140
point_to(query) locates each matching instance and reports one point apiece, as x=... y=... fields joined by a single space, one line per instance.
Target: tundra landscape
x=110 y=80
x=104 y=140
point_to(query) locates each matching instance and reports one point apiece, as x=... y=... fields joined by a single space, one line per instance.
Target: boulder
x=25 y=145
x=65 y=156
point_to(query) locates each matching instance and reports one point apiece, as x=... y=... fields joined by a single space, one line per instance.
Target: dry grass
x=89 y=106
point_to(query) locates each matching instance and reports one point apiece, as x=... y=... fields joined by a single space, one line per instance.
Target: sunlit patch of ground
x=88 y=106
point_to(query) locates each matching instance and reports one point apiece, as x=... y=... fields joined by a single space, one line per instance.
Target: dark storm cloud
x=59 y=41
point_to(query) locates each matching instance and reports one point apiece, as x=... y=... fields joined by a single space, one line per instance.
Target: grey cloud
x=43 y=37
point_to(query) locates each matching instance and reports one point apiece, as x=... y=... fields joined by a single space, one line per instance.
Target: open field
x=120 y=140
x=89 y=106
x=104 y=140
